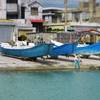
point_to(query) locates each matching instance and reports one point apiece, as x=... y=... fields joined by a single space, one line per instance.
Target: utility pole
x=65 y=13
x=92 y=11
x=92 y=6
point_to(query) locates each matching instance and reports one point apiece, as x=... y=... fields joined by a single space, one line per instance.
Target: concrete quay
x=60 y=64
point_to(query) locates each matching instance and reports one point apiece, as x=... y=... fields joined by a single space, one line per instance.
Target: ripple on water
x=50 y=86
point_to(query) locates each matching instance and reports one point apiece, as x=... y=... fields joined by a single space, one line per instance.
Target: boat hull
x=88 y=50
x=33 y=52
x=65 y=49
x=0 y=48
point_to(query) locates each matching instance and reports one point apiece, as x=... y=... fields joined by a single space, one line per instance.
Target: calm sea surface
x=50 y=86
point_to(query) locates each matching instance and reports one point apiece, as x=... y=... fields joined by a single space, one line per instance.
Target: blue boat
x=28 y=52
x=88 y=50
x=0 y=47
x=65 y=49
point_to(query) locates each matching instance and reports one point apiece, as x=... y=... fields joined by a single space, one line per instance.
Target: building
x=52 y=14
x=91 y=9
x=54 y=17
x=97 y=19
x=2 y=9
x=9 y=9
x=27 y=16
x=7 y=31
x=22 y=27
x=32 y=11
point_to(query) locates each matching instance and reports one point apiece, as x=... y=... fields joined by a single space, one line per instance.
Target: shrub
x=22 y=38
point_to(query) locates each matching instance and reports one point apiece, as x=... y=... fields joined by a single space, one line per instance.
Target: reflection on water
x=50 y=86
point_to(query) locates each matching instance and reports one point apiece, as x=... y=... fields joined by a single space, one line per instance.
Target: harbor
x=49 y=49
x=27 y=30
x=50 y=85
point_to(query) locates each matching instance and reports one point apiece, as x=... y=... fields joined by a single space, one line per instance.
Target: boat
x=56 y=43
x=88 y=50
x=38 y=50
x=65 y=49
x=74 y=48
x=0 y=47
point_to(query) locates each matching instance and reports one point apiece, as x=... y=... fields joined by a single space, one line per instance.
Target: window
x=12 y=16
x=34 y=11
x=12 y=1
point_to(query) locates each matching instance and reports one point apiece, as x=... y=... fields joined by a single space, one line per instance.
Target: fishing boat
x=70 y=49
x=32 y=51
x=56 y=43
x=0 y=47
x=88 y=50
x=65 y=49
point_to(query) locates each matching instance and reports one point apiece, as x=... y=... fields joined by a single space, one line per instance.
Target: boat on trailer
x=34 y=51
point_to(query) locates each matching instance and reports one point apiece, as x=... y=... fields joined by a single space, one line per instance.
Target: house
x=54 y=17
x=32 y=11
x=9 y=9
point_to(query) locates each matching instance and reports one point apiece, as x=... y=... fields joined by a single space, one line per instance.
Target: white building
x=2 y=9
x=32 y=11
x=53 y=14
x=9 y=9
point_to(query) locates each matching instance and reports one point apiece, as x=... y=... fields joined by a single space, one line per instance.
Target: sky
x=60 y=3
x=57 y=3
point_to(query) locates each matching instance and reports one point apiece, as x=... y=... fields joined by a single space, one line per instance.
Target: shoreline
x=60 y=64
x=27 y=69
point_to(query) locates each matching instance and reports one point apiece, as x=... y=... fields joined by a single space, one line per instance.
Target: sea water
x=49 y=85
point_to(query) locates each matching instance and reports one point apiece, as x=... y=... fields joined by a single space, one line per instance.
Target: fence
x=61 y=37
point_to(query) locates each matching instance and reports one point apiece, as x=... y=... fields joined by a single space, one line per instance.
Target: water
x=50 y=86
